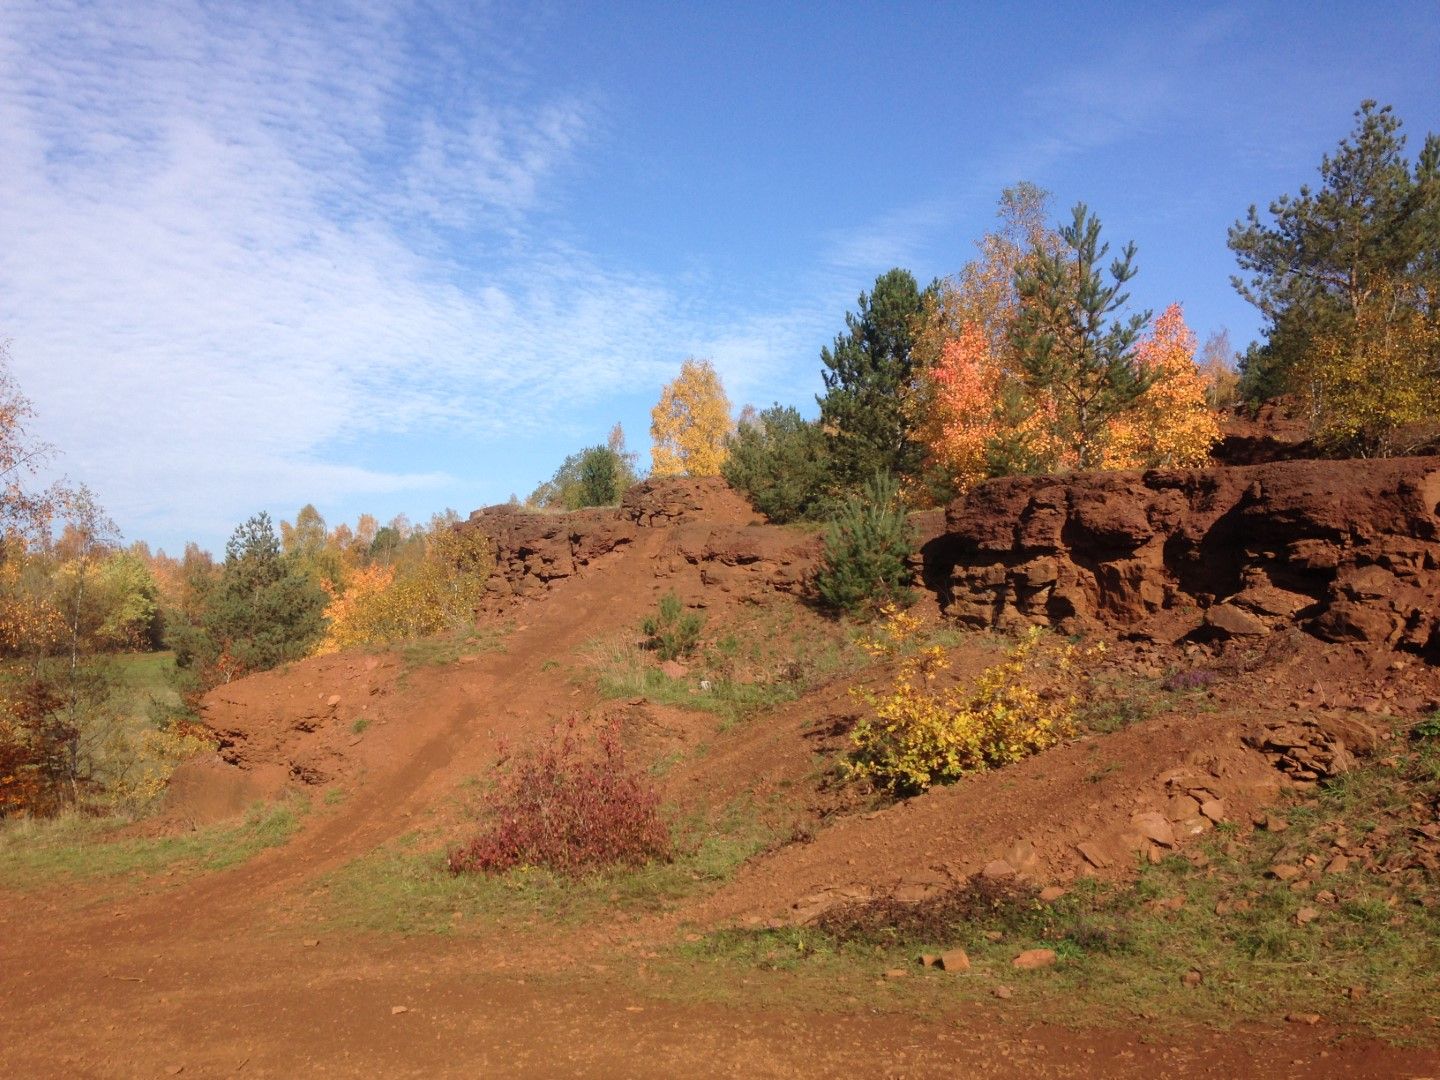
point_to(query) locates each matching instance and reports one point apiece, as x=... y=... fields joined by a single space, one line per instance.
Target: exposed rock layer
x=1349 y=550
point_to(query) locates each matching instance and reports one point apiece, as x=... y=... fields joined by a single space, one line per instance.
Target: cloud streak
x=235 y=243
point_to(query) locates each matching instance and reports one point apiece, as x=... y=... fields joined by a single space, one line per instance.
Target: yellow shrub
x=921 y=733
x=378 y=606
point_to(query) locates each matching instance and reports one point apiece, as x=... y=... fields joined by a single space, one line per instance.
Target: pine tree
x=1372 y=227
x=778 y=459
x=868 y=373
x=1072 y=340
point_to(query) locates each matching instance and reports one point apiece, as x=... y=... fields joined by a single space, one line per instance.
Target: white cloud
x=230 y=247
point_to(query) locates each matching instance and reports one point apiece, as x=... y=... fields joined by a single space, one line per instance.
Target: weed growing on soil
x=35 y=853
x=672 y=632
x=1216 y=936
x=569 y=805
x=451 y=647
x=761 y=662
x=407 y=890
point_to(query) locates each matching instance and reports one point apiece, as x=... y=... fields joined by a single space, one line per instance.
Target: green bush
x=866 y=561
x=673 y=632
x=779 y=461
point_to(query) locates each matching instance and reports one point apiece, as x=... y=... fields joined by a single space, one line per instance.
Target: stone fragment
x=1191 y=979
x=1181 y=808
x=1228 y=620
x=1155 y=828
x=396 y=1010
x=955 y=961
x=1285 y=871
x=1338 y=865
x=896 y=973
x=1214 y=809
x=1023 y=857
x=1093 y=855
x=1004 y=993
x=1302 y=1018
x=333 y=700
x=1306 y=915
x=1051 y=893
x=1034 y=959
x=998 y=870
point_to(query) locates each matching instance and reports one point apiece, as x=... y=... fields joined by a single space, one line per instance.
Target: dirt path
x=254 y=1001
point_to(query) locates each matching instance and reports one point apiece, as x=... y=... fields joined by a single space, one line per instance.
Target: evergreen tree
x=1072 y=340
x=596 y=476
x=1372 y=226
x=868 y=546
x=868 y=374
x=778 y=459
x=260 y=610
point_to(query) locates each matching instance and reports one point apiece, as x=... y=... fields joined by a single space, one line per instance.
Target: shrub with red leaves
x=570 y=804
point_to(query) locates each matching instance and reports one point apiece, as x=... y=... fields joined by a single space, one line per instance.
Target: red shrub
x=570 y=804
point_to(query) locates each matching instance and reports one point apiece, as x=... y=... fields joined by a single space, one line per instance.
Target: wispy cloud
x=234 y=240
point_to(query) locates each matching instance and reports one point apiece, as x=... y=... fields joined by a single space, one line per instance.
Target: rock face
x=532 y=548
x=1349 y=550
x=707 y=525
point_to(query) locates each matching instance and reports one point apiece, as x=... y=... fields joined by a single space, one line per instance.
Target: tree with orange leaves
x=1170 y=425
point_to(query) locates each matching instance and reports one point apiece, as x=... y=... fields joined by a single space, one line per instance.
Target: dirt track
x=105 y=997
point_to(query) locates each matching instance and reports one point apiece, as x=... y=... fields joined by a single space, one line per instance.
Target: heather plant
x=921 y=732
x=570 y=804
x=672 y=632
x=1189 y=679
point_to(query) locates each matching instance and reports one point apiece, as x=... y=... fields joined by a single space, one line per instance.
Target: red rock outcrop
x=1349 y=550
x=707 y=524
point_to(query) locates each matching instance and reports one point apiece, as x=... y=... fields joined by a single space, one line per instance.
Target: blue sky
x=399 y=257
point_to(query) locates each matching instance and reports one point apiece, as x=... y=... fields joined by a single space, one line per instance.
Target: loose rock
x=1034 y=959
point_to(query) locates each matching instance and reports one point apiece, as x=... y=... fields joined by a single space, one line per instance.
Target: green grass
x=38 y=853
x=1124 y=948
x=449 y=648
x=406 y=888
x=766 y=659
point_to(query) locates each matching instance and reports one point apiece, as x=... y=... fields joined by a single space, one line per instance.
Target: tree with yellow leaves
x=379 y=604
x=1170 y=425
x=689 y=425
x=1372 y=383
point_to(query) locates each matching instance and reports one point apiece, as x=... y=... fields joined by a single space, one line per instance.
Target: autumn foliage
x=689 y=425
x=1170 y=425
x=982 y=419
x=571 y=804
x=378 y=604
x=926 y=729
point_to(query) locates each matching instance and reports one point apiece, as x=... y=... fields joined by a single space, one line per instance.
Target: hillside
x=1268 y=628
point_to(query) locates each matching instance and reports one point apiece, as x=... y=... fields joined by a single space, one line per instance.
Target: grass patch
x=37 y=853
x=1358 y=946
x=761 y=661
x=449 y=648
x=406 y=888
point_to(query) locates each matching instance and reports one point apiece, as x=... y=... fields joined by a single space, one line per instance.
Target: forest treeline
x=1030 y=359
